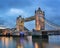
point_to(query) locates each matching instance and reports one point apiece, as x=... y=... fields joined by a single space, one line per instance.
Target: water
x=29 y=42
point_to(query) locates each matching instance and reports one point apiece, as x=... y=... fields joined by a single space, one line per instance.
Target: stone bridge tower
x=20 y=24
x=39 y=20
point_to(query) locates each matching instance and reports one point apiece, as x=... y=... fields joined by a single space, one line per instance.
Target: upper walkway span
x=51 y=24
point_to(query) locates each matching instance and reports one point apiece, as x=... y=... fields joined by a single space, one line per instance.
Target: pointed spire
x=19 y=15
x=35 y=11
x=39 y=8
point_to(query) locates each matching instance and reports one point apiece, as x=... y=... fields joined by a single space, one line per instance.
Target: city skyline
x=10 y=10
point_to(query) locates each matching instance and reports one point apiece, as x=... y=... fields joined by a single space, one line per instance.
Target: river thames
x=29 y=42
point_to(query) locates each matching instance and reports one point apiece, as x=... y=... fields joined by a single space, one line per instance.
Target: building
x=20 y=24
x=39 y=19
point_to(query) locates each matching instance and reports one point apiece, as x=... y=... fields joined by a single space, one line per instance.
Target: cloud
x=2 y=21
x=16 y=12
x=6 y=4
x=12 y=14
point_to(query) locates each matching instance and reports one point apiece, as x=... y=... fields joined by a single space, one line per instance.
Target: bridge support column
x=39 y=20
x=41 y=35
x=44 y=35
x=20 y=24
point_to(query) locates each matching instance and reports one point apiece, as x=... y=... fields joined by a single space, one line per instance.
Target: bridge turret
x=39 y=19
x=20 y=24
x=39 y=10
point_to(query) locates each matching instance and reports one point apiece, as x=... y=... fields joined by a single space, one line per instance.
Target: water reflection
x=37 y=43
x=29 y=42
x=6 y=42
x=25 y=42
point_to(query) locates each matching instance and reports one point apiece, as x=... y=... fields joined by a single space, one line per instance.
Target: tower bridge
x=40 y=22
x=38 y=17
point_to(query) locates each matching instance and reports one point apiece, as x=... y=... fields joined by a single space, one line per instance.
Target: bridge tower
x=20 y=24
x=39 y=19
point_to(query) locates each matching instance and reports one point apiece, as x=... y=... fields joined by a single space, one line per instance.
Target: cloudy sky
x=10 y=9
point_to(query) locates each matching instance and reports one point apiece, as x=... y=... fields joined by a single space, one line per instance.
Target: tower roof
x=19 y=15
x=38 y=10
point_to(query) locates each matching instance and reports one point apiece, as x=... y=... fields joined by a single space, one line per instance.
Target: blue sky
x=10 y=9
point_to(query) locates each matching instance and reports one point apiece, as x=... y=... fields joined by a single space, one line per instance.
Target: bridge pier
x=36 y=36
x=44 y=35
x=41 y=35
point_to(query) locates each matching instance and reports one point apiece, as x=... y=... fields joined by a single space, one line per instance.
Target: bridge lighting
x=36 y=45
